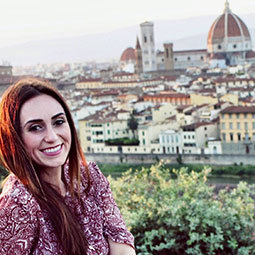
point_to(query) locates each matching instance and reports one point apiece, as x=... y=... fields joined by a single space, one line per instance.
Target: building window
x=223 y=125
x=231 y=136
x=234 y=46
x=202 y=58
x=219 y=47
x=223 y=136
x=230 y=116
x=230 y=125
x=237 y=115
x=246 y=125
x=253 y=125
x=253 y=136
x=253 y=115
x=175 y=59
x=143 y=141
x=145 y=39
x=188 y=58
x=238 y=125
x=222 y=116
x=238 y=136
x=151 y=38
x=245 y=115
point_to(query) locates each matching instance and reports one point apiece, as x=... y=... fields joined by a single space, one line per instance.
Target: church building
x=228 y=44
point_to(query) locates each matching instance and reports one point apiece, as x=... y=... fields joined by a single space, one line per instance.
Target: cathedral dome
x=228 y=33
x=128 y=55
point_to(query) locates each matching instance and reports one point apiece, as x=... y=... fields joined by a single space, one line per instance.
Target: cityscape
x=162 y=102
x=163 y=158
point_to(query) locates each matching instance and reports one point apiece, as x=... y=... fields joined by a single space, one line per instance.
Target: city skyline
x=27 y=20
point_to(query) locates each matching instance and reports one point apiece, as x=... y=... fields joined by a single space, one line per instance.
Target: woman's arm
x=120 y=248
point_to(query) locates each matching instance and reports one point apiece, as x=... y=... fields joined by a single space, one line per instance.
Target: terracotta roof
x=166 y=95
x=196 y=125
x=90 y=80
x=232 y=23
x=191 y=51
x=217 y=56
x=239 y=109
x=128 y=54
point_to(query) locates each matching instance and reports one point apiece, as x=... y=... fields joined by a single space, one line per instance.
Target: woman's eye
x=59 y=122
x=35 y=128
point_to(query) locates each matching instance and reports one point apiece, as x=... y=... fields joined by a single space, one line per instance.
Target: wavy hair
x=17 y=160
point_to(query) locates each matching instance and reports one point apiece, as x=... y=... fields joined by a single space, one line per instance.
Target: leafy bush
x=125 y=141
x=183 y=215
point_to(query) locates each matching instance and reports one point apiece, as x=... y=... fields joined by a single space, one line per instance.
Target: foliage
x=125 y=141
x=132 y=123
x=183 y=215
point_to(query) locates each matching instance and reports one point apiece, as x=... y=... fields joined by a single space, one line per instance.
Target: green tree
x=132 y=124
x=183 y=215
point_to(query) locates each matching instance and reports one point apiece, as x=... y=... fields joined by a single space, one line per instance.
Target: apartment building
x=172 y=98
x=237 y=123
x=94 y=131
x=170 y=141
x=195 y=136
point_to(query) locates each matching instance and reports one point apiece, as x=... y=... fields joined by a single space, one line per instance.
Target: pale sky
x=28 y=20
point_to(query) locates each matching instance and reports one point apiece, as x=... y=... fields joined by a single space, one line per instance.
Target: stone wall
x=216 y=159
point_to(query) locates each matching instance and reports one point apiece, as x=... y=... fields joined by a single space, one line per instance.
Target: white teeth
x=57 y=148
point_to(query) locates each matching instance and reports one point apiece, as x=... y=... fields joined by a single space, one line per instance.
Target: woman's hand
x=120 y=248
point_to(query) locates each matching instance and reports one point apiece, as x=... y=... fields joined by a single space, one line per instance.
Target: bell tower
x=148 y=47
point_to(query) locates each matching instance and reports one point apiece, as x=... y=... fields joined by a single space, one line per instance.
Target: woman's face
x=45 y=131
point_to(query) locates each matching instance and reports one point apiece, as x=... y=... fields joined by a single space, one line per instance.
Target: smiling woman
x=52 y=202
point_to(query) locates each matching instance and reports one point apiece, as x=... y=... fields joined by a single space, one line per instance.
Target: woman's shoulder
x=15 y=194
x=97 y=180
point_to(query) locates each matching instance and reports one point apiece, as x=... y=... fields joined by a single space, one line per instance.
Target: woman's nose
x=50 y=135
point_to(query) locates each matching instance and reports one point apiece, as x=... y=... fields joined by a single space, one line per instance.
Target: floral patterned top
x=26 y=229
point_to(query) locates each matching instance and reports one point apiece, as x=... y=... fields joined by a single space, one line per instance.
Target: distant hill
x=184 y=33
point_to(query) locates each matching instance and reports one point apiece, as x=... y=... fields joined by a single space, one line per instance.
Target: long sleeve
x=114 y=226
x=18 y=225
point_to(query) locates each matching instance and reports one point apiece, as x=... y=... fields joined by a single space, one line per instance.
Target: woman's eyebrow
x=57 y=115
x=40 y=120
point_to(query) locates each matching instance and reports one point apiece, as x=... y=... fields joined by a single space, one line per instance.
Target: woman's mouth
x=52 y=150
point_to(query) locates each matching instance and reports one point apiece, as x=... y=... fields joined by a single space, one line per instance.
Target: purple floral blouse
x=26 y=229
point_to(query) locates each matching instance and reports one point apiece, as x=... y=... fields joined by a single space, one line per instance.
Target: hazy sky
x=26 y=20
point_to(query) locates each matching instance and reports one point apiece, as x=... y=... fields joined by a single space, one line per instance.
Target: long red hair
x=16 y=159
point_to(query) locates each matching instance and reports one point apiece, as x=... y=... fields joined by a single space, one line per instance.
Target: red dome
x=128 y=54
x=228 y=25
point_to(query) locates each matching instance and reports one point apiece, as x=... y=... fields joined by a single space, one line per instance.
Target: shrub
x=125 y=141
x=183 y=215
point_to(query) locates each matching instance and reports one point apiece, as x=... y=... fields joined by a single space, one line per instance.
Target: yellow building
x=196 y=99
x=237 y=123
